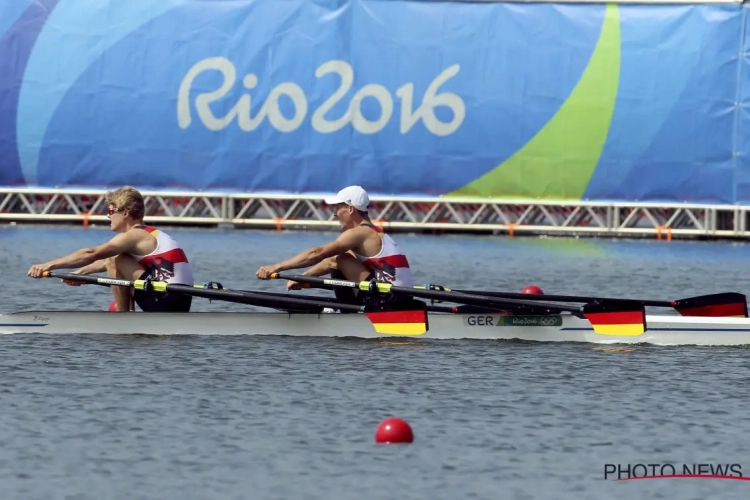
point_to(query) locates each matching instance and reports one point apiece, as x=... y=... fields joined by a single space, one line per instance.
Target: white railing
x=514 y=217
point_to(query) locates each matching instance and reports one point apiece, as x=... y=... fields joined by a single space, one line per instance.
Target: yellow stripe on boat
x=621 y=330
x=401 y=328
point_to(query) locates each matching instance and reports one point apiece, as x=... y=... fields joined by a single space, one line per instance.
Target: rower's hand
x=38 y=270
x=265 y=272
x=73 y=282
x=294 y=285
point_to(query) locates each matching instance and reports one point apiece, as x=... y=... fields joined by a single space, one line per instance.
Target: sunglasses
x=111 y=210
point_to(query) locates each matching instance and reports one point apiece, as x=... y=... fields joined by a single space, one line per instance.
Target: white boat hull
x=661 y=330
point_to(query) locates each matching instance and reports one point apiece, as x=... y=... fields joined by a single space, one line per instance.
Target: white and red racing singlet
x=389 y=265
x=168 y=261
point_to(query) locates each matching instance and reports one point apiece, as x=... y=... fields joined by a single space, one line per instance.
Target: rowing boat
x=718 y=319
x=661 y=329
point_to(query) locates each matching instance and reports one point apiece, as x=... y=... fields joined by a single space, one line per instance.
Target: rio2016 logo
x=409 y=116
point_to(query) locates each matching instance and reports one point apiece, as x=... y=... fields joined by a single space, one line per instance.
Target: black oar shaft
x=539 y=303
x=479 y=300
x=332 y=302
x=243 y=297
x=448 y=296
x=558 y=298
x=256 y=298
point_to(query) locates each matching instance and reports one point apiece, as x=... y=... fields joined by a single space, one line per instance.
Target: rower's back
x=389 y=264
x=168 y=261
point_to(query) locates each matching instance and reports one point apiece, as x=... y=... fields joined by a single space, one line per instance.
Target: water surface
x=131 y=417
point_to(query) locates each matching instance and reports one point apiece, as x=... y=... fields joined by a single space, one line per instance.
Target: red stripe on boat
x=397 y=316
x=615 y=318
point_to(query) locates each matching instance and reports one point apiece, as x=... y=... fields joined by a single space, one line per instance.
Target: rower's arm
x=86 y=256
x=95 y=267
x=347 y=241
x=325 y=266
x=321 y=268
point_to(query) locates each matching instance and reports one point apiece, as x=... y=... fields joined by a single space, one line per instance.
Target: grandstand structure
x=403 y=214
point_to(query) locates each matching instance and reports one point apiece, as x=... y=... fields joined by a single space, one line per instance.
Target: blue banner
x=543 y=101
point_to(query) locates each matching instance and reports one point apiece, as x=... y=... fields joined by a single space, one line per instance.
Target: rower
x=137 y=252
x=362 y=252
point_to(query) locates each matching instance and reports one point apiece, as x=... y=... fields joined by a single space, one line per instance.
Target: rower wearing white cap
x=361 y=253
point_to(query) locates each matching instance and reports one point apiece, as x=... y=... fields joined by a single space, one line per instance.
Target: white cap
x=352 y=195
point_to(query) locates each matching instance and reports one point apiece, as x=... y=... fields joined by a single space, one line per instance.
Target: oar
x=468 y=309
x=208 y=292
x=715 y=305
x=448 y=296
x=726 y=304
x=384 y=320
x=607 y=317
x=444 y=295
x=332 y=301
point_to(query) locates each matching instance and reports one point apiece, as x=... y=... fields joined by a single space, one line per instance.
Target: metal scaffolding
x=280 y=211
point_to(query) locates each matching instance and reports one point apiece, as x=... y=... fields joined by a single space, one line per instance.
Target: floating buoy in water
x=113 y=306
x=394 y=430
x=532 y=289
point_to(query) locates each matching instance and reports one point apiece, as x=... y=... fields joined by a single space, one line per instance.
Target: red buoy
x=113 y=306
x=394 y=430
x=532 y=289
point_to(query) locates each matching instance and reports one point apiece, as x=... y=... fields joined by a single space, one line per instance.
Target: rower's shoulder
x=143 y=231
x=367 y=232
x=356 y=236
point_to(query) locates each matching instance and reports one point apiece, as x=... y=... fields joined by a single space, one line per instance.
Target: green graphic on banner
x=558 y=162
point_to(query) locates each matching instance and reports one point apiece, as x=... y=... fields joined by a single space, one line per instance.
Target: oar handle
x=314 y=280
x=95 y=280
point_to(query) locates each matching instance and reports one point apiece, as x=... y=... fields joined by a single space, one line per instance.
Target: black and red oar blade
x=715 y=305
x=618 y=317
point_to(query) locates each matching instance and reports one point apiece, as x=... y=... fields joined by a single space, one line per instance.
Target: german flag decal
x=622 y=318
x=399 y=322
x=717 y=305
